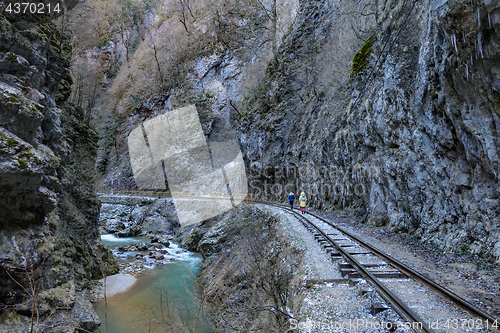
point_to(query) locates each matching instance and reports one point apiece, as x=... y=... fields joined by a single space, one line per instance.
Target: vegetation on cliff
x=385 y=117
x=250 y=278
x=49 y=243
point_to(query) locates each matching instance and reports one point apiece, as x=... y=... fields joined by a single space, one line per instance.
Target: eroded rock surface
x=406 y=135
x=387 y=108
x=49 y=240
x=135 y=216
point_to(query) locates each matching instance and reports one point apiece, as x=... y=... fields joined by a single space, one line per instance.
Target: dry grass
x=156 y=43
x=181 y=35
x=251 y=283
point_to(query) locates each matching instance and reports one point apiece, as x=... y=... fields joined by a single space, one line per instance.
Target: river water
x=163 y=299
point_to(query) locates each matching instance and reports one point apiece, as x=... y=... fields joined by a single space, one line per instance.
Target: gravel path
x=331 y=307
x=318 y=264
x=336 y=307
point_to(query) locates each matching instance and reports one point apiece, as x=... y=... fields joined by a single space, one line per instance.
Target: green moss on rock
x=12 y=142
x=14 y=98
x=22 y=163
x=28 y=153
x=359 y=61
x=63 y=295
x=64 y=89
x=5 y=25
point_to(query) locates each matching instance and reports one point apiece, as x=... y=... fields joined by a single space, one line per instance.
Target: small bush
x=28 y=153
x=359 y=61
x=103 y=42
x=22 y=163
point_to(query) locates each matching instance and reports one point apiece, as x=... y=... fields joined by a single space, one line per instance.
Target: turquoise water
x=111 y=240
x=163 y=299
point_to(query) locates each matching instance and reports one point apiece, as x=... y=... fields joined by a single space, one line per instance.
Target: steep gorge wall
x=406 y=137
x=49 y=242
x=212 y=67
x=385 y=107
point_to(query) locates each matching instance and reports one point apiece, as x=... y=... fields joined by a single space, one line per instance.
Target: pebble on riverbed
x=138 y=257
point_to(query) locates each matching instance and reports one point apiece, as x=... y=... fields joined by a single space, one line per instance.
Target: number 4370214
x=470 y=324
x=32 y=8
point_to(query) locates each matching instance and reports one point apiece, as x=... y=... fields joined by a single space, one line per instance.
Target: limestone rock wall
x=388 y=108
x=131 y=216
x=49 y=240
x=214 y=75
x=395 y=116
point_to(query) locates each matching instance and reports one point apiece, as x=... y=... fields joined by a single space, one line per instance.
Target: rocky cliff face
x=211 y=66
x=49 y=241
x=131 y=216
x=385 y=107
x=406 y=134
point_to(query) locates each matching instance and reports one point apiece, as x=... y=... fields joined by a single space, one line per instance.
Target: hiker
x=291 y=198
x=303 y=200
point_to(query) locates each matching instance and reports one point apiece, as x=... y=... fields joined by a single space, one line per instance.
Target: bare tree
x=85 y=88
x=33 y=282
x=253 y=284
x=272 y=14
x=155 y=52
x=185 y=10
x=128 y=18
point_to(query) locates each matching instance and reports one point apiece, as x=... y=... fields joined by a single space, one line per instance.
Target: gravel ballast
x=338 y=307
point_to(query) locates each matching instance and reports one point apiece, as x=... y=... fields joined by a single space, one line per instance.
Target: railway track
x=341 y=243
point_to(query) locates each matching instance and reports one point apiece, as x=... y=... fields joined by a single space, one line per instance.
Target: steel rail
x=471 y=308
x=402 y=267
x=416 y=275
x=397 y=304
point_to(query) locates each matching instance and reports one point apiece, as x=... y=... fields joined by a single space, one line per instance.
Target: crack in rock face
x=49 y=245
x=424 y=115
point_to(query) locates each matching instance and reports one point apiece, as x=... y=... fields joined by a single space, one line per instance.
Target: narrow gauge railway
x=377 y=268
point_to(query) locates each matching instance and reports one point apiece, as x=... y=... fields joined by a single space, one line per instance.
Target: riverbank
x=251 y=270
x=136 y=255
x=115 y=284
x=155 y=290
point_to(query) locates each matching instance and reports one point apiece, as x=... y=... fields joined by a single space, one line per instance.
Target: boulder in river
x=164 y=239
x=142 y=247
x=138 y=213
x=114 y=225
x=130 y=231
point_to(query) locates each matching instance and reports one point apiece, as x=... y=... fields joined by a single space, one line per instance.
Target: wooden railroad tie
x=377 y=308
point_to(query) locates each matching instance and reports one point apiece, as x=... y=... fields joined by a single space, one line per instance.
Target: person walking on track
x=303 y=200
x=291 y=198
